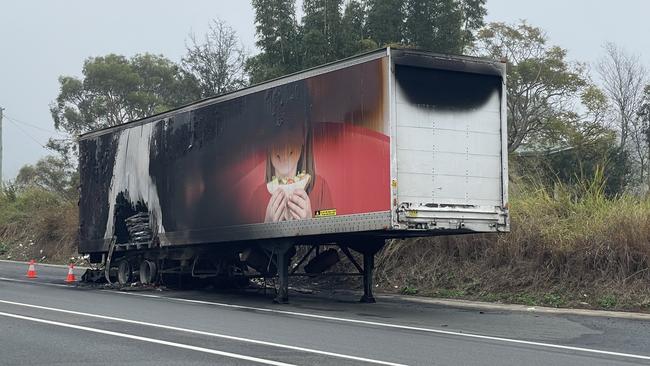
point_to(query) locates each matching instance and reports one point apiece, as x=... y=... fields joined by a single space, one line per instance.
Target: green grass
x=554 y=300
x=409 y=290
x=450 y=293
x=608 y=301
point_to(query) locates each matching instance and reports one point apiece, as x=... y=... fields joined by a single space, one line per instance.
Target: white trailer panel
x=450 y=168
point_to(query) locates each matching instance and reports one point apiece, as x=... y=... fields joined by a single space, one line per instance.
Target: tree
x=277 y=34
x=354 y=37
x=218 y=61
x=579 y=147
x=385 y=21
x=643 y=115
x=623 y=77
x=473 y=13
x=321 y=32
x=51 y=173
x=326 y=35
x=644 y=112
x=115 y=90
x=542 y=84
x=446 y=26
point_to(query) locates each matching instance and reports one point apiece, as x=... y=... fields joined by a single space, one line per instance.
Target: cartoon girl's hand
x=299 y=205
x=275 y=210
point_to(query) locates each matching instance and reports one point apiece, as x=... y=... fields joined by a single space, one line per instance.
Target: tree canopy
x=115 y=89
x=218 y=61
x=50 y=173
x=331 y=30
x=542 y=84
x=278 y=38
x=446 y=26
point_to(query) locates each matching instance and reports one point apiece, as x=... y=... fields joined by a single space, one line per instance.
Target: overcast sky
x=40 y=40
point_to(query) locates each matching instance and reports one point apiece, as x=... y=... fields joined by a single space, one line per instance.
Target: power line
x=26 y=133
x=16 y=120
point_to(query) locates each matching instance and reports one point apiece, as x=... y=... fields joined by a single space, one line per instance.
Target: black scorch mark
x=446 y=90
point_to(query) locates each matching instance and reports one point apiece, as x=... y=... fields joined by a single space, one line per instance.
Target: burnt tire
x=148 y=272
x=124 y=272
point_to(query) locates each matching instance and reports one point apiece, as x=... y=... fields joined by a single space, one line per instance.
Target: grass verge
x=568 y=246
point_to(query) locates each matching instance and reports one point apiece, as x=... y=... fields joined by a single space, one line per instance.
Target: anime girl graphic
x=292 y=189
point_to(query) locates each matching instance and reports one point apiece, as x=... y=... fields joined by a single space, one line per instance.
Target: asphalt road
x=44 y=321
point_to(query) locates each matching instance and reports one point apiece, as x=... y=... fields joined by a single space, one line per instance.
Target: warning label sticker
x=325 y=213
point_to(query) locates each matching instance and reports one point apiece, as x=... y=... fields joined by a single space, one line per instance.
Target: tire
x=148 y=272
x=124 y=273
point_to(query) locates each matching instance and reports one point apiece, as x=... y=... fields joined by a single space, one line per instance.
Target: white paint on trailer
x=403 y=327
x=149 y=340
x=131 y=174
x=210 y=334
x=392 y=118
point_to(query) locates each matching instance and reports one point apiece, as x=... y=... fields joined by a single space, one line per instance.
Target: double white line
x=186 y=330
x=150 y=340
x=323 y=317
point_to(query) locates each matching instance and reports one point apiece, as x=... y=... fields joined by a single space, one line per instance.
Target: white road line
x=150 y=340
x=193 y=331
x=397 y=326
x=377 y=324
x=41 y=264
x=34 y=282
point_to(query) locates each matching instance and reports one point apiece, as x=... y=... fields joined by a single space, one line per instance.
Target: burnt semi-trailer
x=332 y=160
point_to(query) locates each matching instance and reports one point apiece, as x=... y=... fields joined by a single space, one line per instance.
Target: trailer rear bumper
x=475 y=219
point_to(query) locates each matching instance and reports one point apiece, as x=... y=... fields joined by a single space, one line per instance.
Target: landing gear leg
x=283 y=258
x=368 y=267
x=368 y=247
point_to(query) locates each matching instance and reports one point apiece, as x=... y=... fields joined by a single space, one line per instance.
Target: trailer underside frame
x=124 y=265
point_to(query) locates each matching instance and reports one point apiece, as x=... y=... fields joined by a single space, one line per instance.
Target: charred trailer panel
x=393 y=143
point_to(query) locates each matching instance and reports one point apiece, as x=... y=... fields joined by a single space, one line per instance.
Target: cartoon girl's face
x=285 y=154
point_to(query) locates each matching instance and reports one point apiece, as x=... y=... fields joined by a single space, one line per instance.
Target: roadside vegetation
x=578 y=141
x=569 y=246
x=36 y=223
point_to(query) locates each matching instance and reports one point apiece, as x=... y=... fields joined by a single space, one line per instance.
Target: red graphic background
x=353 y=160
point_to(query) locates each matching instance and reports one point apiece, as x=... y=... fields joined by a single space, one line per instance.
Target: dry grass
x=37 y=224
x=567 y=246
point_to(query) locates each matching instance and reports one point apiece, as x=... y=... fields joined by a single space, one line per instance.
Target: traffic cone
x=31 y=270
x=70 y=277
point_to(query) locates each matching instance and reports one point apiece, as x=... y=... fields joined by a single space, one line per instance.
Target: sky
x=41 y=40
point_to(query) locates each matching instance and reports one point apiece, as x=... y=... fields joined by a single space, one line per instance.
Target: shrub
x=37 y=223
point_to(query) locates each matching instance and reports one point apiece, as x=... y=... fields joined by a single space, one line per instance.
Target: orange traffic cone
x=71 y=277
x=31 y=270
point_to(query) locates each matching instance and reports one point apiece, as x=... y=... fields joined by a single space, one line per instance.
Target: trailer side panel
x=306 y=157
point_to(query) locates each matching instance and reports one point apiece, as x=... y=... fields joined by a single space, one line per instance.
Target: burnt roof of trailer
x=401 y=56
x=468 y=64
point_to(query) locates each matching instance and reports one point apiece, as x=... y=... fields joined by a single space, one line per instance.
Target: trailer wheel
x=147 y=272
x=124 y=272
